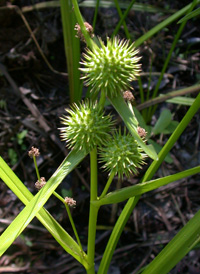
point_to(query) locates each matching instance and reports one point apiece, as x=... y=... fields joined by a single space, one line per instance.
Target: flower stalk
x=70 y=219
x=41 y=182
x=93 y=210
x=110 y=179
x=79 y=18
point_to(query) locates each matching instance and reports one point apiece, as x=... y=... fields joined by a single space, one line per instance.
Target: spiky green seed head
x=122 y=155
x=86 y=126
x=111 y=68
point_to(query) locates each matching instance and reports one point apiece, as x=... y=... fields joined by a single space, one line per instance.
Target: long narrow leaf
x=131 y=123
x=192 y=14
x=177 y=248
x=104 y=4
x=72 y=49
x=20 y=190
x=123 y=194
x=130 y=205
x=163 y=24
x=32 y=208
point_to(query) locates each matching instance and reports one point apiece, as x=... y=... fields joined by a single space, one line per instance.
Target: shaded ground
x=32 y=98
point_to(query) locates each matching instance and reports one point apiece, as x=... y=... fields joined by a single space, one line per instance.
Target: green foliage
x=109 y=69
x=86 y=126
x=20 y=138
x=12 y=156
x=190 y=15
x=3 y=104
x=122 y=155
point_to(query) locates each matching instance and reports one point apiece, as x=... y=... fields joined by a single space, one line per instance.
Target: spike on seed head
x=86 y=126
x=111 y=67
x=122 y=155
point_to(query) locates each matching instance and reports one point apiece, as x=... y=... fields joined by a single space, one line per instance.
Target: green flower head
x=86 y=126
x=122 y=155
x=111 y=68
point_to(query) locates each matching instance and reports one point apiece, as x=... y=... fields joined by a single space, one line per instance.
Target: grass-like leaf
x=123 y=194
x=180 y=100
x=163 y=24
x=132 y=202
x=72 y=50
x=184 y=241
x=33 y=207
x=131 y=123
x=162 y=122
x=192 y=14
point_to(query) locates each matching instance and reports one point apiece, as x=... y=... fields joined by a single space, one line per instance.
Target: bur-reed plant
x=108 y=70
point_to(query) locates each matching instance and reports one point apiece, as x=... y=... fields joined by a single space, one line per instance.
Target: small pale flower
x=111 y=67
x=128 y=96
x=86 y=126
x=142 y=133
x=70 y=201
x=80 y=35
x=40 y=183
x=122 y=155
x=34 y=152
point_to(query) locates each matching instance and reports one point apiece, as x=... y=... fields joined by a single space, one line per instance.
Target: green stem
x=72 y=49
x=36 y=168
x=79 y=18
x=73 y=227
x=93 y=210
x=132 y=202
x=122 y=18
x=70 y=219
x=95 y=14
x=107 y=185
x=102 y=100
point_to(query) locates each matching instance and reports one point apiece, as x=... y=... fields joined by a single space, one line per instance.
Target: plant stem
x=36 y=168
x=93 y=210
x=79 y=18
x=122 y=18
x=95 y=14
x=107 y=184
x=72 y=49
x=151 y=110
x=130 y=205
x=102 y=100
x=70 y=219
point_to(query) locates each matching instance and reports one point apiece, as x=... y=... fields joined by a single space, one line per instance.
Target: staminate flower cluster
x=70 y=201
x=111 y=67
x=128 y=96
x=86 y=126
x=34 y=152
x=122 y=155
x=80 y=35
x=142 y=133
x=40 y=183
